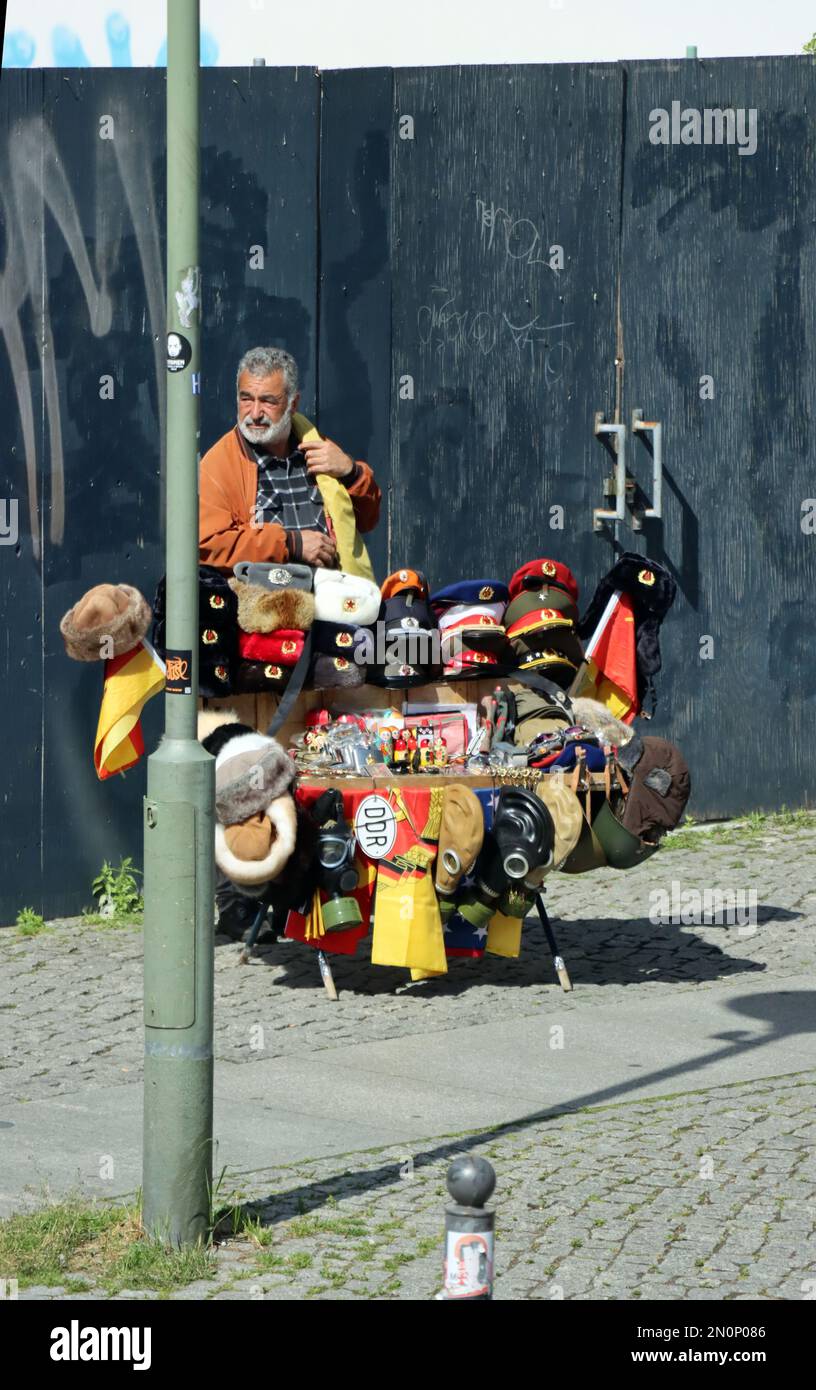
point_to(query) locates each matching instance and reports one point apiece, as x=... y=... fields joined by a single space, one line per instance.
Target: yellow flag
x=504 y=935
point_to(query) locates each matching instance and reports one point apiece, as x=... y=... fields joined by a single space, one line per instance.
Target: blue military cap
x=471 y=591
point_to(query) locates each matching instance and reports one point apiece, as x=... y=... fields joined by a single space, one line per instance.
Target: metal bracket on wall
x=655 y=427
x=617 y=485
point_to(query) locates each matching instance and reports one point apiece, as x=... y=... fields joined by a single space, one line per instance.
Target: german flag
x=130 y=680
x=611 y=661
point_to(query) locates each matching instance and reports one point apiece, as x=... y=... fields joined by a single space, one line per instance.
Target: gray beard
x=271 y=434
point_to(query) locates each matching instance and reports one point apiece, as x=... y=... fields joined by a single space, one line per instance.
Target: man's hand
x=318 y=549
x=322 y=456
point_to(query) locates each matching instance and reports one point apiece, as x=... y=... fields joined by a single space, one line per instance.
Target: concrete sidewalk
x=493 y=1052
x=396 y=1091
x=703 y=1195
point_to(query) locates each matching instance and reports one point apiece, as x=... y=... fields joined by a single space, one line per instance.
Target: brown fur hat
x=265 y=610
x=279 y=819
x=108 y=620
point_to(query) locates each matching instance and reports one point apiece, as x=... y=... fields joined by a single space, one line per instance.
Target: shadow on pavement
x=785 y=1013
x=598 y=951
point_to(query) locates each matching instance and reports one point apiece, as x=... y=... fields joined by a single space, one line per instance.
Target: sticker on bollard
x=469 y=1236
x=469 y=1264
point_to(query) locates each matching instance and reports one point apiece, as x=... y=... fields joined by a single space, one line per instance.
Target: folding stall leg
x=254 y=932
x=558 y=960
x=326 y=972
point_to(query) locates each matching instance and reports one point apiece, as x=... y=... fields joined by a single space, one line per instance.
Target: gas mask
x=336 y=870
x=515 y=857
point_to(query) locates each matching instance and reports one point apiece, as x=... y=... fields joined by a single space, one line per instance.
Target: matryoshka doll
x=400 y=752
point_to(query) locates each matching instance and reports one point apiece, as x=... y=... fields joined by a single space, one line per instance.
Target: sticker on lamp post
x=179 y=352
x=178 y=672
x=375 y=826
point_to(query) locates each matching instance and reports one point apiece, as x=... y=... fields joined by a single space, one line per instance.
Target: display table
x=414 y=792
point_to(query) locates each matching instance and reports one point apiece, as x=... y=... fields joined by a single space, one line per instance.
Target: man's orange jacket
x=228 y=489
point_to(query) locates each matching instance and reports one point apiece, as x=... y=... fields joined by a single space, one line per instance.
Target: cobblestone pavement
x=708 y=1194
x=70 y=1010
x=705 y=1195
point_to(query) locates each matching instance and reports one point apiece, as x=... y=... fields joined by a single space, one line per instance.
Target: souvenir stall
x=440 y=769
x=398 y=769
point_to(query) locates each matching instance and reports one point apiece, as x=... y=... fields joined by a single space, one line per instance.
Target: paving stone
x=667 y=1234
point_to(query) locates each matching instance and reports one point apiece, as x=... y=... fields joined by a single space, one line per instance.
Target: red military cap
x=538 y=572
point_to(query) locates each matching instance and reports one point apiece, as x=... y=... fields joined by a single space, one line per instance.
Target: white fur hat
x=345 y=598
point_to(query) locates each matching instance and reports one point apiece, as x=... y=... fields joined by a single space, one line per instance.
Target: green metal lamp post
x=178 y=810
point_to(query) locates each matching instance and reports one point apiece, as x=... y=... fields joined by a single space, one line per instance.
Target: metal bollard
x=469 y=1229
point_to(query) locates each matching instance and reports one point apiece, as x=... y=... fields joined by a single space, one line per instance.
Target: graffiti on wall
x=33 y=181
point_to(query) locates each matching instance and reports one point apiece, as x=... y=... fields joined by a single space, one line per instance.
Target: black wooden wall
x=718 y=277
x=467 y=263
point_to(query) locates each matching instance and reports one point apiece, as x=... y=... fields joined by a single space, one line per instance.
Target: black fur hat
x=217 y=631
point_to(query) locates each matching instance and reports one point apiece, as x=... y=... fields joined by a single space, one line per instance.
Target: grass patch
x=29 y=922
x=96 y=919
x=104 y=1244
x=312 y=1225
x=753 y=827
x=268 y=1259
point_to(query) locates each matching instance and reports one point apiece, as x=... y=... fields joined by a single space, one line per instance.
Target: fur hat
x=345 y=598
x=254 y=677
x=595 y=716
x=256 y=825
x=250 y=771
x=284 y=647
x=250 y=838
x=217 y=631
x=268 y=576
x=215 y=726
x=115 y=613
x=330 y=672
x=265 y=610
x=236 y=846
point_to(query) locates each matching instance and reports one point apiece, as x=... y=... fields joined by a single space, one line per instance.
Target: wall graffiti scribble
x=34 y=181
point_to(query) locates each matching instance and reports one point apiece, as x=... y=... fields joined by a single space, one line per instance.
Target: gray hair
x=263 y=361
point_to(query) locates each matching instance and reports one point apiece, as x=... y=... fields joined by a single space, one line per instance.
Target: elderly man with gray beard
x=258 y=494
x=259 y=500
